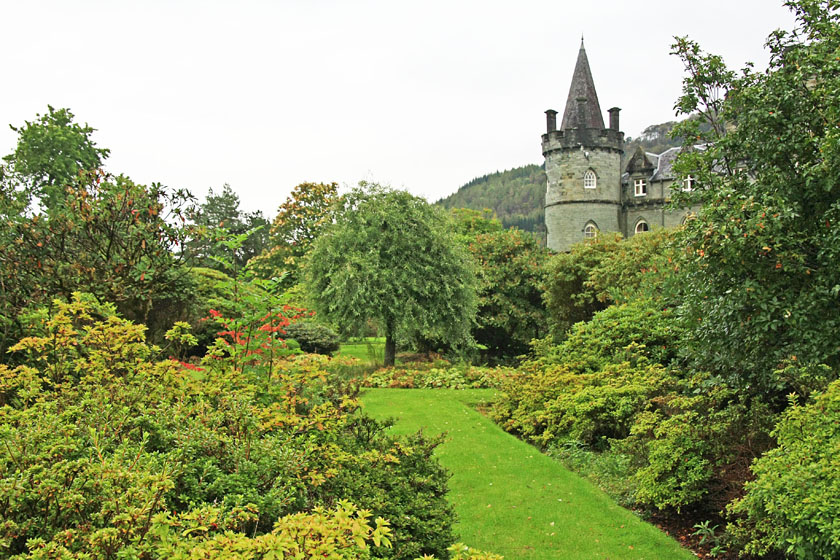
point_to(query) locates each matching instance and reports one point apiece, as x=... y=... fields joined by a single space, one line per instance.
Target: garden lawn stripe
x=510 y=498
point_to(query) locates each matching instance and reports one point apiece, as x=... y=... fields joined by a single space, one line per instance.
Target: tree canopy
x=50 y=152
x=391 y=257
x=68 y=226
x=299 y=222
x=218 y=218
x=763 y=274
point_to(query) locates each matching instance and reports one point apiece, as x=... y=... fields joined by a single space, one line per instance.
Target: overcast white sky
x=422 y=95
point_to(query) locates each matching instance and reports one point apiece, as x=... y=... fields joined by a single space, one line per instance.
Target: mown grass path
x=510 y=498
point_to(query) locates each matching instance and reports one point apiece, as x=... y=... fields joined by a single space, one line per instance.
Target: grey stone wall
x=565 y=222
x=569 y=206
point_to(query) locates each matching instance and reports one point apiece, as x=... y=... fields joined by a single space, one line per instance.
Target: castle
x=587 y=191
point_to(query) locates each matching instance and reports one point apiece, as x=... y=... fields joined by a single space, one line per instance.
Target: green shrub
x=567 y=298
x=642 y=324
x=793 y=504
x=100 y=437
x=606 y=270
x=313 y=337
x=437 y=375
x=559 y=403
x=693 y=448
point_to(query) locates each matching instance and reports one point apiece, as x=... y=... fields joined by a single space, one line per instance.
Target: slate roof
x=583 y=87
x=665 y=164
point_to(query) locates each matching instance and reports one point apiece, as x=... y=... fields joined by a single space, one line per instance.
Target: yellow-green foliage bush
x=793 y=504
x=438 y=375
x=591 y=386
x=460 y=551
x=99 y=437
x=607 y=270
x=559 y=403
x=693 y=446
x=341 y=534
x=643 y=323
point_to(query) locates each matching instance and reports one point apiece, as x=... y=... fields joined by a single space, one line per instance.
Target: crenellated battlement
x=574 y=138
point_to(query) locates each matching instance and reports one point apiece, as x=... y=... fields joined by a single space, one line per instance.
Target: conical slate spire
x=582 y=104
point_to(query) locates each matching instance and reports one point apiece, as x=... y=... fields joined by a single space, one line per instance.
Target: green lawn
x=370 y=349
x=510 y=498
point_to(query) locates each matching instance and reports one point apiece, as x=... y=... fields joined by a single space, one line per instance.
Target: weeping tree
x=391 y=258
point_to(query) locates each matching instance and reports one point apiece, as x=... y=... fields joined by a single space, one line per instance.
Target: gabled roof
x=640 y=163
x=583 y=88
x=658 y=167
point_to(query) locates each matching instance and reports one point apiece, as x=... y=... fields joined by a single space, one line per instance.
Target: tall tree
x=391 y=257
x=68 y=226
x=762 y=279
x=50 y=153
x=219 y=218
x=299 y=222
x=511 y=311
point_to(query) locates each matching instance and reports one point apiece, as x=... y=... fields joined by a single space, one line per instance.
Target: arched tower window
x=590 y=181
x=642 y=226
x=590 y=230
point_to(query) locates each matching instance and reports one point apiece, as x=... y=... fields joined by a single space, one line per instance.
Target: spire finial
x=581 y=40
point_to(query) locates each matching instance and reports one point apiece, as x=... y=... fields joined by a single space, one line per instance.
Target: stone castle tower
x=587 y=191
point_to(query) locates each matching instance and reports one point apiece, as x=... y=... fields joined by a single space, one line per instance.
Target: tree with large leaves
x=390 y=257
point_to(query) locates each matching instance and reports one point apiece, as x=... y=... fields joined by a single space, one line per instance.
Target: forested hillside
x=518 y=195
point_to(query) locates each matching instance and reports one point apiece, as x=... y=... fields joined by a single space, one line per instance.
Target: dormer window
x=640 y=187
x=590 y=230
x=689 y=182
x=590 y=181
x=642 y=226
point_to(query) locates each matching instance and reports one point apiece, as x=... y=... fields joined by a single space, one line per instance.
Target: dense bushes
x=101 y=438
x=642 y=324
x=559 y=403
x=793 y=504
x=511 y=268
x=607 y=270
x=438 y=375
x=694 y=448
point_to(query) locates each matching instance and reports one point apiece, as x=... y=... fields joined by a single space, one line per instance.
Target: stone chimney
x=614 y=118
x=551 y=120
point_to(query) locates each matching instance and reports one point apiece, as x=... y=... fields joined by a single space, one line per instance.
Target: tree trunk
x=390 y=348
